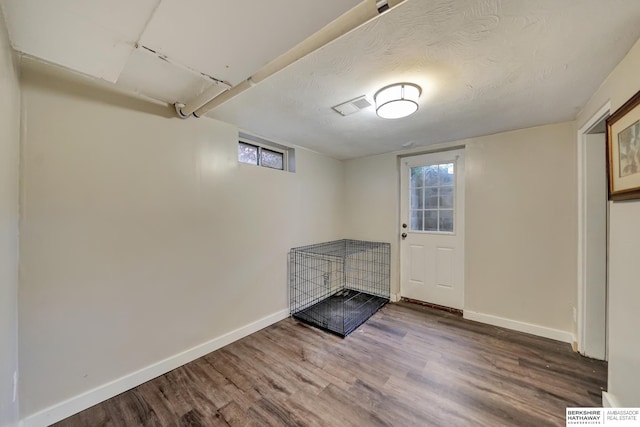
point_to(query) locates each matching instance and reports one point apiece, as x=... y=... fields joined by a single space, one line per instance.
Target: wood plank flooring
x=407 y=366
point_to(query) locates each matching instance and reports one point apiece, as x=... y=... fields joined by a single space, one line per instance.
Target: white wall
x=624 y=282
x=521 y=226
x=142 y=236
x=520 y=222
x=9 y=161
x=371 y=204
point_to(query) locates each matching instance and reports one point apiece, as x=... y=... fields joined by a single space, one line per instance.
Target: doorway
x=432 y=228
x=593 y=237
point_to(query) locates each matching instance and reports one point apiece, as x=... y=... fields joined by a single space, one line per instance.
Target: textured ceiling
x=485 y=66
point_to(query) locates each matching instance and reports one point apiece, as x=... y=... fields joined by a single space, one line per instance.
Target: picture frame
x=623 y=151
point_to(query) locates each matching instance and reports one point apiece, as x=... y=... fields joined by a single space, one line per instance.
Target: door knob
x=404 y=236
x=404 y=225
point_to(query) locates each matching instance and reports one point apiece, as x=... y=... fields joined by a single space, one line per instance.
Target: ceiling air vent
x=352 y=106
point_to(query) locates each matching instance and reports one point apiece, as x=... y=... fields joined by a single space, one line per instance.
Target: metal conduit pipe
x=362 y=13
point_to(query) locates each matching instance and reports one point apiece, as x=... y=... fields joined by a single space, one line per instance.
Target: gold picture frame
x=623 y=151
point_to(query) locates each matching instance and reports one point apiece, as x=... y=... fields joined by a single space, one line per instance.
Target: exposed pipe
x=199 y=100
x=362 y=13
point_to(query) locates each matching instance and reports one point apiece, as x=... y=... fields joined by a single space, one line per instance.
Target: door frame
x=400 y=158
x=582 y=314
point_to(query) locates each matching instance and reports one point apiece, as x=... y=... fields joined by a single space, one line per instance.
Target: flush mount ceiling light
x=397 y=100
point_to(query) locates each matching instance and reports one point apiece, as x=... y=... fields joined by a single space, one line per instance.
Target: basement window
x=260 y=152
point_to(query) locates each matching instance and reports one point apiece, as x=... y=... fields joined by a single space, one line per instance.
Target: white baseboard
x=610 y=401
x=542 y=331
x=395 y=297
x=101 y=393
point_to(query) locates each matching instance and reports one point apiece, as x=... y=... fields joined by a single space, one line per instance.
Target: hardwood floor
x=408 y=365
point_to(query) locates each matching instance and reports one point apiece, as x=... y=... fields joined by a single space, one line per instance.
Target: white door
x=432 y=228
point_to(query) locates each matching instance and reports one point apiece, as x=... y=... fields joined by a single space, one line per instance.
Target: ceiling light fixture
x=397 y=100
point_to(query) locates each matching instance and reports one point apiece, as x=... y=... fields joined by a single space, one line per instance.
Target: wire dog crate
x=338 y=285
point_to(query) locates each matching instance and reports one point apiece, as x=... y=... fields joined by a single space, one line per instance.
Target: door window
x=431 y=197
